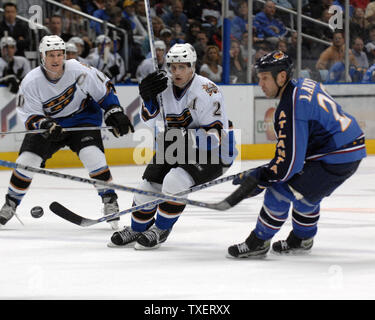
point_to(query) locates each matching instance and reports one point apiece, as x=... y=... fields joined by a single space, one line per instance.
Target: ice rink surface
x=50 y=258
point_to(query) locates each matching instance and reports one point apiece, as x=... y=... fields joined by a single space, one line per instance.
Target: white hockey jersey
x=21 y=66
x=79 y=89
x=97 y=61
x=201 y=105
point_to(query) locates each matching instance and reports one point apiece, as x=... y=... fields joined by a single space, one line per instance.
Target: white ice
x=50 y=258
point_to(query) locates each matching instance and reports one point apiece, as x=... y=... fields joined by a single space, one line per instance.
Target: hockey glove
x=116 y=118
x=114 y=71
x=153 y=84
x=250 y=174
x=54 y=131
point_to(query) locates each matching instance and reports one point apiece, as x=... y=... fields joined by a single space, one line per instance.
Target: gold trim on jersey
x=57 y=104
x=179 y=120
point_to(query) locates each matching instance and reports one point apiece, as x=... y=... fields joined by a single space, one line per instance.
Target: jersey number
x=324 y=102
x=217 y=111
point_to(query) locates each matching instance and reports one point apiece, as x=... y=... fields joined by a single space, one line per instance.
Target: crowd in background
x=199 y=22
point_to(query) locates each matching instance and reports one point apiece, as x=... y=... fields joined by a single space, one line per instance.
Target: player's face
x=181 y=74
x=268 y=84
x=54 y=61
x=71 y=55
x=8 y=52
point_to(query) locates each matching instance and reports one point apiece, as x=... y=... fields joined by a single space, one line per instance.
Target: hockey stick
x=153 y=55
x=64 y=129
x=68 y=215
x=237 y=196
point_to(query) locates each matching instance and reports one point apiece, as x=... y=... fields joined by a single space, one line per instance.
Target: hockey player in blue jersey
x=319 y=146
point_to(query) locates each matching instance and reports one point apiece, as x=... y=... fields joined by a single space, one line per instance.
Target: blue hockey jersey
x=310 y=126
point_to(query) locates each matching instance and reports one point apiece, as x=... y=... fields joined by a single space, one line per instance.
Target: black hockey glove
x=116 y=118
x=153 y=84
x=54 y=131
x=114 y=71
x=250 y=174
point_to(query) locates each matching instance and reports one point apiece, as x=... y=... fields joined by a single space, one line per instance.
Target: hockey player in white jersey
x=194 y=111
x=147 y=65
x=12 y=68
x=104 y=60
x=61 y=94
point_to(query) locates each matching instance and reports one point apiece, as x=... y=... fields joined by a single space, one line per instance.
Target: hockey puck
x=37 y=212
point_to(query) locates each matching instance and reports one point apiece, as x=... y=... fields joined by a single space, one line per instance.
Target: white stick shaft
x=65 y=129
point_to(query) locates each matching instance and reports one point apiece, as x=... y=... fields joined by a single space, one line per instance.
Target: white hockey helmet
x=102 y=39
x=182 y=53
x=71 y=47
x=7 y=41
x=51 y=43
x=77 y=40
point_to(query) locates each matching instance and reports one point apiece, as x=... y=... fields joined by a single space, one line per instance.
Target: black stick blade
x=242 y=192
x=65 y=213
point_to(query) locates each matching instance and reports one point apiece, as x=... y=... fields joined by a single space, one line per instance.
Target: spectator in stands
x=192 y=32
x=334 y=53
x=370 y=13
x=362 y=4
x=116 y=18
x=139 y=32
x=157 y=26
x=147 y=65
x=12 y=68
x=237 y=63
x=358 y=24
x=166 y=36
x=318 y=31
x=239 y=23
x=210 y=20
x=318 y=6
x=16 y=29
x=193 y=10
x=55 y=26
x=102 y=14
x=71 y=51
x=282 y=45
x=140 y=11
x=369 y=76
x=176 y=16
x=171 y=37
x=359 y=55
x=161 y=8
x=370 y=45
x=341 y=4
x=268 y=26
x=211 y=67
x=72 y=23
x=200 y=47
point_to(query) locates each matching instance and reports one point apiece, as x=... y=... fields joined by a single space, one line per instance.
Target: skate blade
x=249 y=257
x=297 y=252
x=138 y=246
x=128 y=245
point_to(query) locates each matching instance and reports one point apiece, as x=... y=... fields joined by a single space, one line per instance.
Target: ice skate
x=253 y=247
x=8 y=210
x=152 y=238
x=110 y=207
x=293 y=245
x=126 y=237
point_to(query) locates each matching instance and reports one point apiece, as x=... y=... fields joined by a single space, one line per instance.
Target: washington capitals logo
x=56 y=104
x=210 y=88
